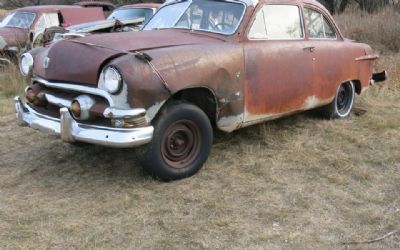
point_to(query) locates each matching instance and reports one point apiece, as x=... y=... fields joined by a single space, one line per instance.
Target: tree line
x=338 y=6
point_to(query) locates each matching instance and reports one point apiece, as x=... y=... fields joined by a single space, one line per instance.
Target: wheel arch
x=357 y=86
x=200 y=96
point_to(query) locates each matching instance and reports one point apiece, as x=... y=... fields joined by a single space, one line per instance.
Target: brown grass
x=381 y=29
x=296 y=183
x=3 y=13
x=12 y=82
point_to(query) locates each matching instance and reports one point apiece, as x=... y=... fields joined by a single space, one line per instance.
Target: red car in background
x=20 y=28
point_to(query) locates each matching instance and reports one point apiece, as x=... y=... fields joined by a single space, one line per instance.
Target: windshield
x=17 y=19
x=206 y=15
x=133 y=13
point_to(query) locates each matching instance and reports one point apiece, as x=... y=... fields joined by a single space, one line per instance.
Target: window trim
x=333 y=27
x=277 y=39
x=38 y=21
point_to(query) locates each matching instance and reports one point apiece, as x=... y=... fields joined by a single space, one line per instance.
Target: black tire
x=182 y=141
x=342 y=104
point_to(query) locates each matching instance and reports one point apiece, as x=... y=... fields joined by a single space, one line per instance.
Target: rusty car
x=20 y=28
x=196 y=67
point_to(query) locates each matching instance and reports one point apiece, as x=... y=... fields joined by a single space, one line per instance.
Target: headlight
x=26 y=64
x=112 y=80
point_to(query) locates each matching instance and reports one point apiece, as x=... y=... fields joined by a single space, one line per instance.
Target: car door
x=329 y=53
x=47 y=20
x=279 y=64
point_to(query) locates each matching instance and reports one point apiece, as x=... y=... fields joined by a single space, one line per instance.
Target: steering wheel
x=216 y=27
x=220 y=27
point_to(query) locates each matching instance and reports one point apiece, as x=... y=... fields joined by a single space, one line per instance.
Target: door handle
x=311 y=48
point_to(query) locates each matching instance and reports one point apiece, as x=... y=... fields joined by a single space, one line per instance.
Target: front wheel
x=181 y=142
x=343 y=102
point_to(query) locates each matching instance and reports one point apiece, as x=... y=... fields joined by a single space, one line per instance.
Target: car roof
x=255 y=2
x=105 y=5
x=47 y=8
x=141 y=5
x=315 y=2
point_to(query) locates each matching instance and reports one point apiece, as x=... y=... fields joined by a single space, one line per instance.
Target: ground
x=297 y=183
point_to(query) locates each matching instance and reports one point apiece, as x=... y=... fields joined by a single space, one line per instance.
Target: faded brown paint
x=13 y=36
x=81 y=15
x=252 y=80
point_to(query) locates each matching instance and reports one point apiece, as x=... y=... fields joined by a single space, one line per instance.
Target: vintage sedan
x=197 y=65
x=20 y=29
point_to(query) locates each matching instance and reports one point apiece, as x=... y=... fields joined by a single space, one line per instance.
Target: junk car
x=20 y=29
x=198 y=65
x=123 y=19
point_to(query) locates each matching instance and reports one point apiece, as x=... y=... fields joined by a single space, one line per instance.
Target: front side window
x=275 y=22
x=204 y=15
x=22 y=20
x=318 y=26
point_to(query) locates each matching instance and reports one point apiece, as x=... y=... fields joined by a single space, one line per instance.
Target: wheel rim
x=344 y=99
x=181 y=144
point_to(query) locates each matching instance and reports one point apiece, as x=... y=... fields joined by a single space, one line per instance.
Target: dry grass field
x=3 y=13
x=296 y=183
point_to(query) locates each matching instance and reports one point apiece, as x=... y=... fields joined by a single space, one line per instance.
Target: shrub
x=381 y=29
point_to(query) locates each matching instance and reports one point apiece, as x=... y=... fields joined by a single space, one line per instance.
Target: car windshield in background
x=205 y=15
x=17 y=19
x=133 y=13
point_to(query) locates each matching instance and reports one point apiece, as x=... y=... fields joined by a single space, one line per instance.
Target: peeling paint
x=230 y=123
x=312 y=102
x=121 y=99
x=153 y=110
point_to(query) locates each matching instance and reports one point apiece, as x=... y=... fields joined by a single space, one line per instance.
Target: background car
x=197 y=65
x=106 y=6
x=21 y=27
x=125 y=18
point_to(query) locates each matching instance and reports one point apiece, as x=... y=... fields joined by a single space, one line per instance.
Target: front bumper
x=70 y=131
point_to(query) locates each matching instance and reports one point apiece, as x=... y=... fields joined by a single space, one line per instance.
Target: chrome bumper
x=70 y=131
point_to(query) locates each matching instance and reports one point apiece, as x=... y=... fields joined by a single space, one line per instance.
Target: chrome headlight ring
x=111 y=80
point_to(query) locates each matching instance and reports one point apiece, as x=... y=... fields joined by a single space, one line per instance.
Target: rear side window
x=277 y=22
x=52 y=19
x=318 y=25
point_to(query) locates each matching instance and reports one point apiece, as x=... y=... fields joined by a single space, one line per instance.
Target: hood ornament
x=46 y=62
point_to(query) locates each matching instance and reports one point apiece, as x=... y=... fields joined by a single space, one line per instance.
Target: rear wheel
x=181 y=143
x=343 y=102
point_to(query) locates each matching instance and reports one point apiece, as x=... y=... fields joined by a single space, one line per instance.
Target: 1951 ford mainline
x=197 y=65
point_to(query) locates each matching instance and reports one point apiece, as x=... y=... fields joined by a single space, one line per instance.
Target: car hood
x=12 y=37
x=102 y=24
x=81 y=60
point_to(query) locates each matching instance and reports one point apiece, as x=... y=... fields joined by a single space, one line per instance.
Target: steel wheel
x=181 y=144
x=344 y=100
x=343 y=103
